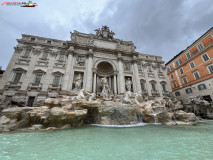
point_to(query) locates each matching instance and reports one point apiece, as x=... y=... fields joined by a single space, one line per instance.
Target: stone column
x=48 y=75
x=67 y=75
x=110 y=82
x=94 y=83
x=10 y=66
x=89 y=71
x=148 y=86
x=136 y=75
x=115 y=85
x=28 y=76
x=121 y=88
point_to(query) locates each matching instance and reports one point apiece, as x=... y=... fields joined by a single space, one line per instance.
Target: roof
x=188 y=47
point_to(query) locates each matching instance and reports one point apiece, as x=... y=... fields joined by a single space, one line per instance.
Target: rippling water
x=145 y=142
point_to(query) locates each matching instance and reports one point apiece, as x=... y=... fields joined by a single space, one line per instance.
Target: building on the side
x=42 y=67
x=1 y=72
x=191 y=71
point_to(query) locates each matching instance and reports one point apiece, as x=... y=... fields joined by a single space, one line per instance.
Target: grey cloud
x=159 y=27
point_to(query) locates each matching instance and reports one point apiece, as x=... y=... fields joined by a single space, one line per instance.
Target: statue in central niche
x=106 y=92
x=128 y=84
x=78 y=82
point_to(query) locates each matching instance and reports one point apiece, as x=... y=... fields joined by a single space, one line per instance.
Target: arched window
x=177 y=94
x=201 y=86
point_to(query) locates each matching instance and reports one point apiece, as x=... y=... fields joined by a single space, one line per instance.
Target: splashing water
x=155 y=118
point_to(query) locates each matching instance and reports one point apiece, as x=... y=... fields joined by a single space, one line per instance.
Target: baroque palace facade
x=42 y=67
x=191 y=71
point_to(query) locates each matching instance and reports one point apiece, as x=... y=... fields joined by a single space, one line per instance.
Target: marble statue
x=106 y=92
x=84 y=95
x=128 y=84
x=126 y=98
x=78 y=81
x=80 y=61
x=80 y=95
x=138 y=98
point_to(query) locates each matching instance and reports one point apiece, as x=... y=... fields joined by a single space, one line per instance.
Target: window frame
x=186 y=81
x=180 y=70
x=200 y=89
x=14 y=78
x=25 y=53
x=45 y=56
x=177 y=95
x=192 y=62
x=197 y=74
x=189 y=55
x=175 y=86
x=210 y=65
x=54 y=80
x=178 y=62
x=187 y=89
x=169 y=68
x=201 y=47
x=163 y=85
x=203 y=57
x=36 y=83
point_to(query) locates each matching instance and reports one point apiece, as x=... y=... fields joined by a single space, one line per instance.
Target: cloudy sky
x=158 y=27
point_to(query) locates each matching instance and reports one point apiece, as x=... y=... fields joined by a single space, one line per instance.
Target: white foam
x=127 y=125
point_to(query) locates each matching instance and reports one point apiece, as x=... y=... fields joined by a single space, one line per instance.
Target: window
x=153 y=87
x=142 y=86
x=139 y=67
x=169 y=69
x=185 y=80
x=201 y=86
x=49 y=42
x=149 y=68
x=164 y=87
x=56 y=81
x=196 y=74
x=172 y=77
x=178 y=62
x=17 y=78
x=32 y=39
x=192 y=65
x=61 y=57
x=210 y=68
x=188 y=55
x=200 y=46
x=45 y=54
x=205 y=57
x=38 y=79
x=188 y=90
x=181 y=71
x=174 y=84
x=27 y=53
x=177 y=94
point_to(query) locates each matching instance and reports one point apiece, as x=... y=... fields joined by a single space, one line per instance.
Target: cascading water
x=140 y=118
x=155 y=118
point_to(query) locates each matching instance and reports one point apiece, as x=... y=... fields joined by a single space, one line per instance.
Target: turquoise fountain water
x=148 y=142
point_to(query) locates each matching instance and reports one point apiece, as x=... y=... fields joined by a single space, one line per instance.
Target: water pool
x=149 y=142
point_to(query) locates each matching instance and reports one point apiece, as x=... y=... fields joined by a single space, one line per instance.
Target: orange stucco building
x=190 y=72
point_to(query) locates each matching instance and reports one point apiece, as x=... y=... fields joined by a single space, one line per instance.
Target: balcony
x=144 y=92
x=34 y=86
x=151 y=74
x=56 y=87
x=15 y=85
x=161 y=75
x=155 y=93
x=59 y=63
x=166 y=93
